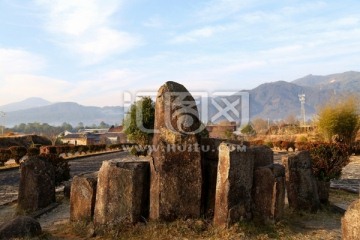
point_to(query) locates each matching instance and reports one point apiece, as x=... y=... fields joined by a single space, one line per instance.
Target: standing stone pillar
x=300 y=182
x=37 y=184
x=176 y=177
x=234 y=185
x=269 y=193
x=122 y=194
x=82 y=197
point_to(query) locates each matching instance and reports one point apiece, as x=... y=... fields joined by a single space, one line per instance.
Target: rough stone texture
x=210 y=159
x=176 y=175
x=269 y=193
x=122 y=194
x=82 y=197
x=263 y=156
x=67 y=188
x=350 y=222
x=22 y=226
x=323 y=191
x=37 y=185
x=300 y=182
x=233 y=185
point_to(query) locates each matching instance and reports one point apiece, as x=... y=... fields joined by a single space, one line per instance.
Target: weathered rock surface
x=350 y=222
x=176 y=176
x=122 y=194
x=210 y=159
x=300 y=182
x=263 y=156
x=269 y=193
x=82 y=197
x=37 y=184
x=22 y=226
x=233 y=185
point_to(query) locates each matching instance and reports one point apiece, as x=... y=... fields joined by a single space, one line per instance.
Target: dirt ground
x=326 y=224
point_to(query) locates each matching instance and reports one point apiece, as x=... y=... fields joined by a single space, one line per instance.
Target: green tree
x=248 y=129
x=340 y=119
x=139 y=122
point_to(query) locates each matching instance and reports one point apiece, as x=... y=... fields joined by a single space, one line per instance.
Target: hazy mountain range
x=274 y=100
x=40 y=110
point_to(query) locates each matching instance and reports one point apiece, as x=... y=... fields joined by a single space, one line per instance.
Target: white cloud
x=22 y=86
x=84 y=27
x=202 y=33
x=219 y=9
x=19 y=61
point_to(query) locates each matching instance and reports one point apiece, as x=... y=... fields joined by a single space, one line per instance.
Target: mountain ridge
x=27 y=103
x=272 y=100
x=70 y=112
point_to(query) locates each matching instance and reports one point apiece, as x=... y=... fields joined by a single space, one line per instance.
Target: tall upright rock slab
x=37 y=184
x=269 y=193
x=82 y=197
x=301 y=184
x=233 y=185
x=176 y=177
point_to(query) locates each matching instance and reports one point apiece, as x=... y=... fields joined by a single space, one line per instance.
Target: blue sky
x=91 y=51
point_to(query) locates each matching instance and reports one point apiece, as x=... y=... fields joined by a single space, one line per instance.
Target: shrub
x=73 y=149
x=5 y=155
x=83 y=149
x=134 y=151
x=300 y=146
x=17 y=153
x=33 y=151
x=340 y=119
x=328 y=159
x=59 y=150
x=269 y=144
x=257 y=142
x=278 y=144
x=48 y=149
x=61 y=167
x=302 y=139
x=114 y=146
x=285 y=145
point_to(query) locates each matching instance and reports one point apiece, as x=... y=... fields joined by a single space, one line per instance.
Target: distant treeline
x=48 y=130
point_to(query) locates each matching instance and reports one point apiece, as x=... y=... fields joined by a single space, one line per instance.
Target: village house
x=113 y=135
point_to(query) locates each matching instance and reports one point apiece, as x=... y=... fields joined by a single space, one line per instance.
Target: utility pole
x=302 y=101
x=3 y=115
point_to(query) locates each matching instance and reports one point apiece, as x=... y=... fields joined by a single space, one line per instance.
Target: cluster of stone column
x=186 y=177
x=118 y=193
x=189 y=178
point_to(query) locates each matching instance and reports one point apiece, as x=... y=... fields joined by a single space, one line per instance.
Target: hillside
x=339 y=82
x=25 y=104
x=274 y=100
x=280 y=99
x=58 y=113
